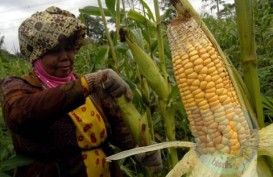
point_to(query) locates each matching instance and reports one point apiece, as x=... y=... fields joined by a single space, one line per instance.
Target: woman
x=65 y=122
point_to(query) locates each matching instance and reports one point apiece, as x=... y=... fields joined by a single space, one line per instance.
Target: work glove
x=110 y=81
x=150 y=159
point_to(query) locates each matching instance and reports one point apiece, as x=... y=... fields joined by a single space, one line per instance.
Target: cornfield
x=199 y=87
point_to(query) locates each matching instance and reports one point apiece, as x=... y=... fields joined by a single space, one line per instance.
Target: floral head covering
x=44 y=30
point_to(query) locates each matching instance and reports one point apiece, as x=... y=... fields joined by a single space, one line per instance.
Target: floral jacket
x=41 y=128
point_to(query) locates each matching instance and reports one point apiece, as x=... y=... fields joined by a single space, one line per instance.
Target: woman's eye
x=55 y=50
x=68 y=48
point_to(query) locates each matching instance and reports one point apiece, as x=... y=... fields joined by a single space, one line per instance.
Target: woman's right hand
x=110 y=81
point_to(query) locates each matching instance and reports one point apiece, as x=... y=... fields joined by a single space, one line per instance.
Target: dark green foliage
x=9 y=65
x=88 y=59
x=264 y=39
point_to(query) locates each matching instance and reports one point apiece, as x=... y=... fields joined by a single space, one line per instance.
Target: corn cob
x=148 y=67
x=216 y=117
x=137 y=123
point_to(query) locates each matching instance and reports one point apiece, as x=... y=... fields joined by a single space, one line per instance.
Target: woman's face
x=59 y=61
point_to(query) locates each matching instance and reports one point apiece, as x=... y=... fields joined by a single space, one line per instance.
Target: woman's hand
x=150 y=159
x=110 y=81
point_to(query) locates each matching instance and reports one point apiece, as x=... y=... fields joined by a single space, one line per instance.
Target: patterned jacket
x=41 y=128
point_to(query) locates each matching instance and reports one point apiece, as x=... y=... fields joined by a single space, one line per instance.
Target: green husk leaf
x=135 y=121
x=149 y=69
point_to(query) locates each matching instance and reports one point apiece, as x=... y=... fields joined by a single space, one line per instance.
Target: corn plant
x=221 y=115
x=156 y=96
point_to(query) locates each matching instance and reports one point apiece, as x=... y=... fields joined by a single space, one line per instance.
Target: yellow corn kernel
x=188 y=71
x=200 y=95
x=196 y=82
x=205 y=56
x=204 y=70
x=192 y=53
x=203 y=84
x=192 y=75
x=198 y=61
x=210 y=85
x=207 y=61
x=188 y=65
x=197 y=68
x=202 y=51
x=194 y=58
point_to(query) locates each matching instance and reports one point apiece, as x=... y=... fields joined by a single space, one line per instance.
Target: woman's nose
x=64 y=54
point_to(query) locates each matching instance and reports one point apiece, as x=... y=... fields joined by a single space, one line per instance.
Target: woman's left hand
x=150 y=159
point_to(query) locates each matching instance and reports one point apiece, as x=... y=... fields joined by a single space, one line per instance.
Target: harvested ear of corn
x=217 y=113
x=216 y=117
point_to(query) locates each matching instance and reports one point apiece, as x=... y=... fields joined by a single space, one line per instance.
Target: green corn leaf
x=102 y=54
x=111 y=4
x=92 y=10
x=139 y=18
x=149 y=12
x=14 y=162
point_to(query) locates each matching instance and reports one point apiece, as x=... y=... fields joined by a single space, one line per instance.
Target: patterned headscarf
x=44 y=30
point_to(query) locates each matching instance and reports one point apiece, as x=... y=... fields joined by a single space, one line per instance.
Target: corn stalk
x=110 y=42
x=168 y=112
x=117 y=18
x=244 y=14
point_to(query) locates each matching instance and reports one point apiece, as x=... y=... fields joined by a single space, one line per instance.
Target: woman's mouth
x=66 y=68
